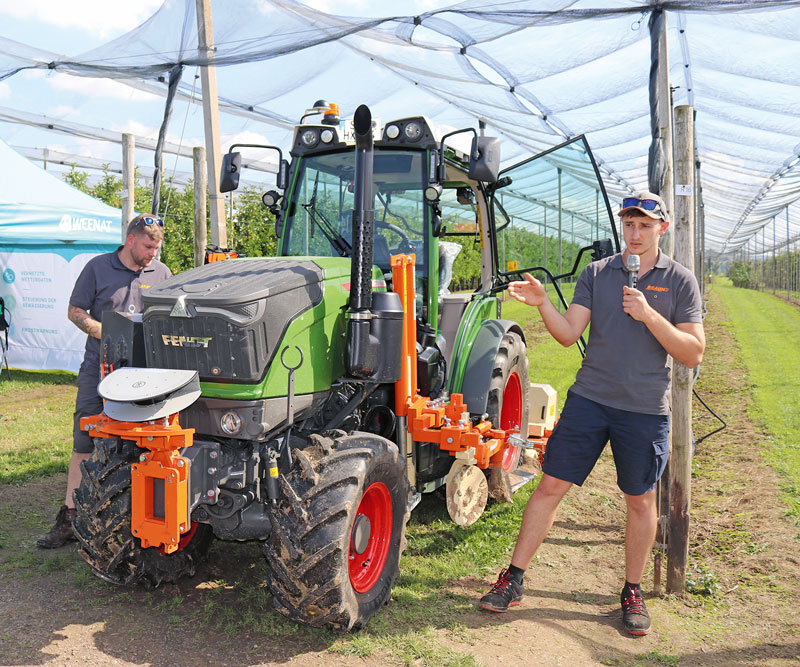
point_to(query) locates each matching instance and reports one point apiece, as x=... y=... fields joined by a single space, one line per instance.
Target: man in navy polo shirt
x=621 y=393
x=115 y=282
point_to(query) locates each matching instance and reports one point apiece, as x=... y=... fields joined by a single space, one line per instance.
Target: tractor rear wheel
x=103 y=524
x=507 y=407
x=338 y=530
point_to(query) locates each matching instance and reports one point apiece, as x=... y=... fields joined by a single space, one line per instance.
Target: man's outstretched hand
x=529 y=291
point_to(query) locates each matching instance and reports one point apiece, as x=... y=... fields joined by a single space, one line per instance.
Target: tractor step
x=413 y=500
x=519 y=478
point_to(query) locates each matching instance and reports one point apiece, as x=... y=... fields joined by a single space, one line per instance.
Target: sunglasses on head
x=646 y=204
x=150 y=220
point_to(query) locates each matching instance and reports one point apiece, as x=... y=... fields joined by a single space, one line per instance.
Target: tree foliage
x=739 y=273
x=250 y=226
x=526 y=248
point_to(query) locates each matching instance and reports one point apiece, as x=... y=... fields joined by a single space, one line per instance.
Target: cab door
x=554 y=205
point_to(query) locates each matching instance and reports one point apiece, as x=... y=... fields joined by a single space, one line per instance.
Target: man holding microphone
x=643 y=307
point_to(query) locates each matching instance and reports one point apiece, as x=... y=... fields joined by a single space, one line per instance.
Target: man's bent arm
x=566 y=328
x=81 y=319
x=684 y=342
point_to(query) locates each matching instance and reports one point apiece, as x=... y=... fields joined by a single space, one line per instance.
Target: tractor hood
x=226 y=319
x=237 y=282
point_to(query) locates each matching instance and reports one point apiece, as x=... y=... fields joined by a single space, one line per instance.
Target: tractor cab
x=417 y=174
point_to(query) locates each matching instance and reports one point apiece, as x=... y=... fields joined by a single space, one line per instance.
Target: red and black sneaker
x=505 y=593
x=634 y=612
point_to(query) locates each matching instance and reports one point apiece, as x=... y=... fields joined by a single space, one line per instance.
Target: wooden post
x=681 y=462
x=665 y=114
x=128 y=181
x=660 y=59
x=200 y=232
x=208 y=81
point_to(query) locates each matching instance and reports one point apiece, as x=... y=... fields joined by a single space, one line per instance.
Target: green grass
x=766 y=329
x=35 y=424
x=22 y=380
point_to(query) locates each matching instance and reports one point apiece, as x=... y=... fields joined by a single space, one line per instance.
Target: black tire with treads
x=103 y=524
x=318 y=576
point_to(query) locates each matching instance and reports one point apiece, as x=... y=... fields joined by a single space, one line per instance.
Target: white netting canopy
x=537 y=72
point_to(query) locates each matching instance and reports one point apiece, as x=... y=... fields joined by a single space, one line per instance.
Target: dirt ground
x=743 y=548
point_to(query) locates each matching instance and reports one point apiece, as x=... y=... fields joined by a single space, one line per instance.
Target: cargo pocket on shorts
x=660 y=456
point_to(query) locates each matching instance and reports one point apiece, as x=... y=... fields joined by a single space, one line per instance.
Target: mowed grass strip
x=767 y=328
x=35 y=424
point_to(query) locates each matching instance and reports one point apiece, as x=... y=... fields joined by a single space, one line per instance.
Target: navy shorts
x=87 y=403
x=639 y=444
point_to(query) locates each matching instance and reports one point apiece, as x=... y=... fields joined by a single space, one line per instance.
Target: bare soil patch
x=743 y=548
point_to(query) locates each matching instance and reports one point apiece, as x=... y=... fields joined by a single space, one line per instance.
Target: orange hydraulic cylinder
x=403 y=283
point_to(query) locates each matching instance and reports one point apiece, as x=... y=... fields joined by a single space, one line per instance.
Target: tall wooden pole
x=200 y=233
x=665 y=115
x=681 y=460
x=128 y=181
x=661 y=181
x=208 y=81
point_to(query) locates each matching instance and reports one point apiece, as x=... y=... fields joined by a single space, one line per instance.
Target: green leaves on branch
x=739 y=273
x=250 y=226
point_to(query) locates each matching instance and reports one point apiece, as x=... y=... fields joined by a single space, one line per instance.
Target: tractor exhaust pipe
x=363 y=214
x=362 y=349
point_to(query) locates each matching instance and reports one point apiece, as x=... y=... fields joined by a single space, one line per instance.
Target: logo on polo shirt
x=656 y=288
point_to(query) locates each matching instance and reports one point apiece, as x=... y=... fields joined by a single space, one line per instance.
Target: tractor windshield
x=320 y=211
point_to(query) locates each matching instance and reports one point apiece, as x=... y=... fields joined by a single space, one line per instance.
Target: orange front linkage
x=450 y=427
x=431 y=421
x=159 y=481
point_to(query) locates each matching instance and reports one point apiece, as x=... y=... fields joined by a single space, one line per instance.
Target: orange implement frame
x=221 y=256
x=159 y=481
x=432 y=421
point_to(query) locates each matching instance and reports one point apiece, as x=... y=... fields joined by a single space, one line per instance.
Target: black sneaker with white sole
x=505 y=593
x=634 y=612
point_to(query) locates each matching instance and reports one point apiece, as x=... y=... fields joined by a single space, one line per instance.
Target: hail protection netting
x=538 y=72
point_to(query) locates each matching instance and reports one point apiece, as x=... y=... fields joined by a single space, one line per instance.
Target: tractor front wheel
x=338 y=531
x=507 y=403
x=103 y=524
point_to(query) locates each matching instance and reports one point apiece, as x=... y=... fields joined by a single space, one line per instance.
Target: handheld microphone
x=633 y=271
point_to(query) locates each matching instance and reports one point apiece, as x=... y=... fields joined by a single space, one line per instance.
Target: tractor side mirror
x=231 y=168
x=484 y=159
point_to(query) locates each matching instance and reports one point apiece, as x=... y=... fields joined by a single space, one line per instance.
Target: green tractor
x=308 y=400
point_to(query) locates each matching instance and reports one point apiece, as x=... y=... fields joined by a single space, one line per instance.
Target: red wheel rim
x=366 y=567
x=510 y=417
x=184 y=542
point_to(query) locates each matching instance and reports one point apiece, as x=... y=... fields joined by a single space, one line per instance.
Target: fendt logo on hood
x=77 y=223
x=186 y=341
